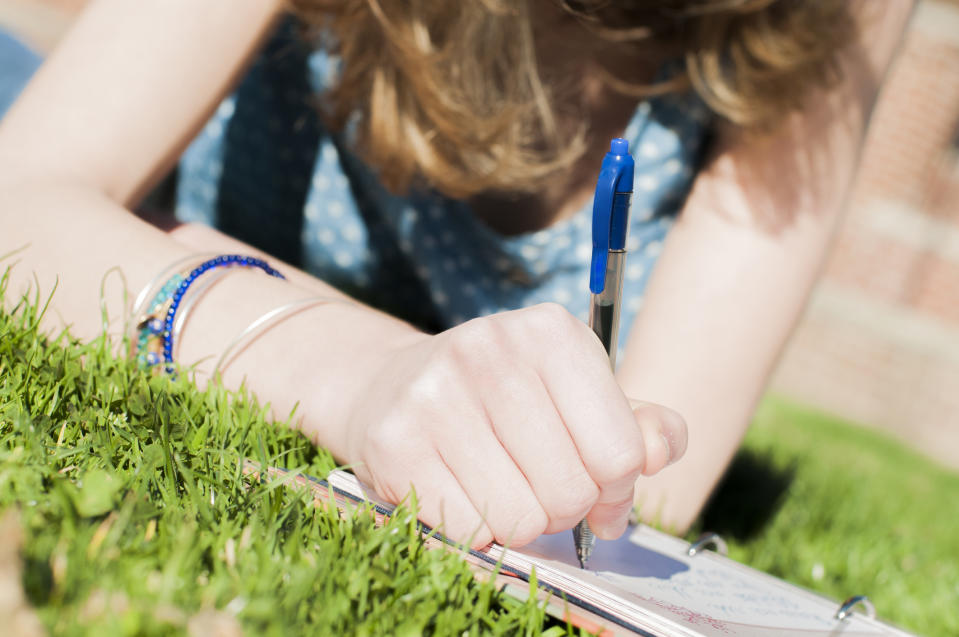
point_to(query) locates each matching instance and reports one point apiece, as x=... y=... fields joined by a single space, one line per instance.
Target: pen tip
x=582 y=563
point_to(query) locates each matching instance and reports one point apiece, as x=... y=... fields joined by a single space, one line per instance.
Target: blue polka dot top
x=266 y=171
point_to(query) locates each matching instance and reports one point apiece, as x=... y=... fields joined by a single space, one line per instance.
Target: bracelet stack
x=157 y=328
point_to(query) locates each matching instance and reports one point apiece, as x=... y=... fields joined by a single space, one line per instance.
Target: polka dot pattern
x=423 y=257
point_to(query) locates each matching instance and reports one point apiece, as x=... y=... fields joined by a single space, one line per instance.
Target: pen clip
x=610 y=209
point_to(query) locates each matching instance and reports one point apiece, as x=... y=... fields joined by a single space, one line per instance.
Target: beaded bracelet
x=154 y=343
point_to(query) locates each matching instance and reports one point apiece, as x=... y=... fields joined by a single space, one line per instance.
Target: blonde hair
x=451 y=92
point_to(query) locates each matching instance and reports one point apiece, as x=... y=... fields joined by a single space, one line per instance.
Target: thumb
x=664 y=434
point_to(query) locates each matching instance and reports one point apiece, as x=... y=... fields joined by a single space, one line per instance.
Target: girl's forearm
x=69 y=237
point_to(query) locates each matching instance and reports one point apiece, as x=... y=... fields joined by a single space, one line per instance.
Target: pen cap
x=610 y=209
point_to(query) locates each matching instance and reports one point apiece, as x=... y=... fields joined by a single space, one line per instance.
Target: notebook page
x=647 y=578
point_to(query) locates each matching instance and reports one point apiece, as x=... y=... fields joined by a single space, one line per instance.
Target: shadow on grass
x=747 y=498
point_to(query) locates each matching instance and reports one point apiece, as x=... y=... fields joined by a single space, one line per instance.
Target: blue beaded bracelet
x=156 y=329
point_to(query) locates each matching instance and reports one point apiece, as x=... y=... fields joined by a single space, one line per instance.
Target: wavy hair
x=451 y=93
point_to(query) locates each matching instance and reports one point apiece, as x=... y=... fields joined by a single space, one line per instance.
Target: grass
x=125 y=512
x=843 y=510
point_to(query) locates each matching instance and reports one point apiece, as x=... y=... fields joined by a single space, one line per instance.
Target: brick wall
x=879 y=342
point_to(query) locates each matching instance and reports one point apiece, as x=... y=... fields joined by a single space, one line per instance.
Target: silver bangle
x=267 y=321
x=186 y=307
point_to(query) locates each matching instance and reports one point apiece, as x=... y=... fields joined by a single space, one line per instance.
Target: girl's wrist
x=318 y=360
x=334 y=353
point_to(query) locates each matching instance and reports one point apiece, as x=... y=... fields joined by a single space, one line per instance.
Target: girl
x=436 y=161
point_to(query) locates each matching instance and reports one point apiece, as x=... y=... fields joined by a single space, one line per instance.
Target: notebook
x=645 y=583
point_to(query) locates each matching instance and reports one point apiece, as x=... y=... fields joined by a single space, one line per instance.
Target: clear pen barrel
x=604 y=307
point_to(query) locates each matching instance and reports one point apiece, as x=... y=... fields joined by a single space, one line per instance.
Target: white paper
x=647 y=578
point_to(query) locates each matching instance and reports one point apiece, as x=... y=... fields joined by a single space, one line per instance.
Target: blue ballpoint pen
x=614 y=188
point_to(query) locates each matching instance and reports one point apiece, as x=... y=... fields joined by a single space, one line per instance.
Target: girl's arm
x=104 y=117
x=736 y=270
x=507 y=426
x=126 y=89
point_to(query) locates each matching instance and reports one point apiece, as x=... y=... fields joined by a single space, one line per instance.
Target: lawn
x=125 y=512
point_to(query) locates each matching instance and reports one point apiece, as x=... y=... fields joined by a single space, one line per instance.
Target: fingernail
x=673 y=431
x=670 y=446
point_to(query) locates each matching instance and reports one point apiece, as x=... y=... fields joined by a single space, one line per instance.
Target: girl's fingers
x=444 y=505
x=601 y=425
x=664 y=434
x=400 y=462
x=527 y=424
x=492 y=481
x=615 y=443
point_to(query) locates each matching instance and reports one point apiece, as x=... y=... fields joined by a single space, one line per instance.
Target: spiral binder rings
x=647 y=583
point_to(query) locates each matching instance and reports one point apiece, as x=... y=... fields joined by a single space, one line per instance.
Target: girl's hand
x=509 y=426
